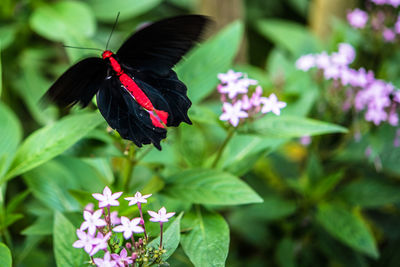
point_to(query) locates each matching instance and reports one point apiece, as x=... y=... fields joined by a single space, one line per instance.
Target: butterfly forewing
x=79 y=83
x=159 y=46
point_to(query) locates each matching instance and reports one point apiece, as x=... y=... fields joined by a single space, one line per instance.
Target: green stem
x=222 y=148
x=130 y=163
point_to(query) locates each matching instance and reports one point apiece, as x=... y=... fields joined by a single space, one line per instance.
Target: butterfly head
x=107 y=54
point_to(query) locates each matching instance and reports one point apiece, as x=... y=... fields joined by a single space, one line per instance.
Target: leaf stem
x=222 y=148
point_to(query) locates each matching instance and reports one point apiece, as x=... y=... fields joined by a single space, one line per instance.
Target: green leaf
x=208 y=186
x=50 y=183
x=42 y=226
x=50 y=141
x=199 y=71
x=5 y=256
x=64 y=236
x=1 y=72
x=285 y=253
x=7 y=35
x=294 y=37
x=10 y=136
x=348 y=228
x=243 y=151
x=171 y=238
x=59 y=20
x=371 y=193
x=106 y=11
x=272 y=126
x=207 y=243
x=274 y=208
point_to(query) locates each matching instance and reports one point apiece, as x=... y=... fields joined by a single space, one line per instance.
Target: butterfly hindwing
x=160 y=45
x=166 y=93
x=126 y=116
x=79 y=83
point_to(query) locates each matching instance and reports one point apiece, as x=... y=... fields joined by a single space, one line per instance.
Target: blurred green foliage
x=325 y=204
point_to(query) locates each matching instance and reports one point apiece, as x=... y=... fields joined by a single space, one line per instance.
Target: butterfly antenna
x=77 y=47
x=113 y=28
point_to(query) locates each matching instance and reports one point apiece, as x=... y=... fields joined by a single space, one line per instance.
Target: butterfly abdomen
x=140 y=97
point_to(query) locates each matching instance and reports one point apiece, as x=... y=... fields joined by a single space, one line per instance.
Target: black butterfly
x=138 y=93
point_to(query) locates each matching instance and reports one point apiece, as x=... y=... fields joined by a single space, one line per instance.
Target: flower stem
x=161 y=235
x=222 y=148
x=142 y=220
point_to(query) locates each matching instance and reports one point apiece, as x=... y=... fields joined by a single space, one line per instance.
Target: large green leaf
x=294 y=37
x=199 y=71
x=348 y=228
x=52 y=140
x=5 y=256
x=207 y=243
x=50 y=183
x=10 y=136
x=371 y=193
x=272 y=126
x=7 y=35
x=107 y=11
x=208 y=186
x=64 y=235
x=243 y=151
x=171 y=238
x=59 y=20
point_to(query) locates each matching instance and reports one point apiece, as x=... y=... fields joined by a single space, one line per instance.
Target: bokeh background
x=329 y=177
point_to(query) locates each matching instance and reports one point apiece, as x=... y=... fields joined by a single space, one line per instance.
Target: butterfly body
x=158 y=117
x=137 y=91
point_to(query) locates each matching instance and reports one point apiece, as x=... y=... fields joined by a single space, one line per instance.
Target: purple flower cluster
x=384 y=22
x=238 y=104
x=97 y=232
x=378 y=98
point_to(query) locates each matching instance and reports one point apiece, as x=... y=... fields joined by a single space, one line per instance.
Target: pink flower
x=229 y=77
x=389 y=35
x=357 y=18
x=138 y=198
x=394 y=3
x=233 y=113
x=101 y=243
x=271 y=103
x=379 y=2
x=233 y=89
x=86 y=241
x=105 y=262
x=107 y=198
x=162 y=215
x=92 y=221
x=322 y=60
x=115 y=220
x=305 y=62
x=129 y=227
x=122 y=259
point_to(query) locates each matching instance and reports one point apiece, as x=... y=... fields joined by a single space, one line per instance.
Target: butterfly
x=137 y=91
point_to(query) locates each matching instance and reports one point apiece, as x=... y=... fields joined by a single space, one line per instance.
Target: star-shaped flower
x=129 y=227
x=122 y=259
x=107 y=198
x=271 y=103
x=92 y=221
x=233 y=113
x=106 y=261
x=86 y=241
x=101 y=243
x=229 y=77
x=138 y=198
x=162 y=215
x=233 y=89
